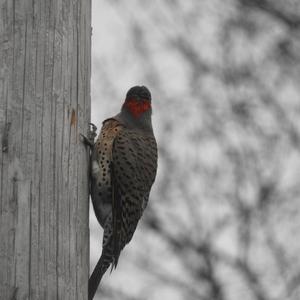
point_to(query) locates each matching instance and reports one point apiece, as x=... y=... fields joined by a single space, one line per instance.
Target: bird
x=123 y=170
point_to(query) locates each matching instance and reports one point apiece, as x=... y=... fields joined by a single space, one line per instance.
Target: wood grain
x=45 y=48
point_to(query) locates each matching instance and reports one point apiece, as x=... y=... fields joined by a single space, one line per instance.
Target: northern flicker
x=123 y=169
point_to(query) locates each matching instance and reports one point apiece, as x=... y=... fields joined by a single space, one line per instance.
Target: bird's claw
x=94 y=128
x=89 y=139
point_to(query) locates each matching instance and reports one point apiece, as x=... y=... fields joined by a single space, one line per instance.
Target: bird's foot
x=89 y=139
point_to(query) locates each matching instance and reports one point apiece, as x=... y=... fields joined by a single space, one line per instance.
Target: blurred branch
x=190 y=55
x=252 y=279
x=291 y=19
x=206 y=272
x=181 y=244
x=117 y=294
x=177 y=281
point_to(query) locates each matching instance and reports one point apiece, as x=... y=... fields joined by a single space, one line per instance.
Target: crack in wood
x=14 y=293
x=5 y=137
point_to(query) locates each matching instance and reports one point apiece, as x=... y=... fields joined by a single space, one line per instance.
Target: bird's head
x=138 y=101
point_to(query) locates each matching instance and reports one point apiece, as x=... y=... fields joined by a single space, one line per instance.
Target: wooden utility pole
x=45 y=58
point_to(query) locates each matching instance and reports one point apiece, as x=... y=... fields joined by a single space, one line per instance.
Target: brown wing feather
x=134 y=169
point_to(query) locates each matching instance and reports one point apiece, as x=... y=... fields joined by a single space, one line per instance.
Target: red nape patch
x=137 y=107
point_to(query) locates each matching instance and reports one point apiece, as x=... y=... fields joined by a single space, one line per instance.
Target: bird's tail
x=102 y=265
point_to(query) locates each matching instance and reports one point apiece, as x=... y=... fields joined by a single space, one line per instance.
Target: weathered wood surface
x=45 y=104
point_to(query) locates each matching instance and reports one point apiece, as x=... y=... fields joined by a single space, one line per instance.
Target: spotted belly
x=101 y=189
